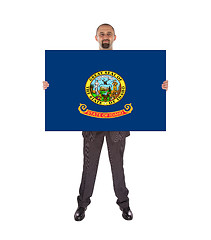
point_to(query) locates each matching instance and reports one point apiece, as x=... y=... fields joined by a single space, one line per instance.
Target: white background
x=167 y=173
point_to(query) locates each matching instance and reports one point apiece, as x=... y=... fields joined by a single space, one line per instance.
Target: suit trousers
x=92 y=150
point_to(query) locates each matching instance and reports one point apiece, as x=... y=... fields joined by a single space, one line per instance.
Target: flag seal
x=105 y=88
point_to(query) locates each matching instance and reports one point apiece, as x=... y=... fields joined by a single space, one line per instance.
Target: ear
x=96 y=38
x=114 y=37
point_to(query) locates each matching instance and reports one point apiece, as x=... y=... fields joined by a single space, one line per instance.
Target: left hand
x=165 y=85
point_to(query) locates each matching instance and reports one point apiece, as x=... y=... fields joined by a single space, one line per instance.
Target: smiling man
x=105 y=35
x=93 y=142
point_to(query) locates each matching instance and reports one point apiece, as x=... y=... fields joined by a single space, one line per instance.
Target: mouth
x=105 y=43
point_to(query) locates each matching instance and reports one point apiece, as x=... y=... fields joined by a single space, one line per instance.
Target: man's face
x=105 y=36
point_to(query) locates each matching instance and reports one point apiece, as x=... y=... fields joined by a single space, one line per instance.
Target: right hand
x=45 y=85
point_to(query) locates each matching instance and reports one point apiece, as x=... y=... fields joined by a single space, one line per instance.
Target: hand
x=165 y=85
x=45 y=85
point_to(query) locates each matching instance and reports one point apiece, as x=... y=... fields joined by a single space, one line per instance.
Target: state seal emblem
x=105 y=88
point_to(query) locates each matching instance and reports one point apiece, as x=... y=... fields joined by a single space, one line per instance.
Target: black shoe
x=127 y=213
x=80 y=213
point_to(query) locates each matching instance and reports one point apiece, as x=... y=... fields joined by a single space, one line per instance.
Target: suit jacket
x=115 y=135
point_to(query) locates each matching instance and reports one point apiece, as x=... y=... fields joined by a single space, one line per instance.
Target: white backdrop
x=167 y=173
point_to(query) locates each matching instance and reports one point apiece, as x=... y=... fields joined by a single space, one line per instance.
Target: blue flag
x=93 y=90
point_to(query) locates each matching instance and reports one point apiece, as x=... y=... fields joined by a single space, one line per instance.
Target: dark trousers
x=92 y=150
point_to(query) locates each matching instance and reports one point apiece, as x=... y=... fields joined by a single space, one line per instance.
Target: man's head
x=105 y=35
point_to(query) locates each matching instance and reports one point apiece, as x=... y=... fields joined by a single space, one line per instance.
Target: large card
x=93 y=90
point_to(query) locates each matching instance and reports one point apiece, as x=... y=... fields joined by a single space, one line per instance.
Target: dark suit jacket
x=115 y=135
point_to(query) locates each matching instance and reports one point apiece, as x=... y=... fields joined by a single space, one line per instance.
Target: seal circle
x=105 y=88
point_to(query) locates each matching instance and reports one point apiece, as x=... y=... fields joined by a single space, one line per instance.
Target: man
x=93 y=142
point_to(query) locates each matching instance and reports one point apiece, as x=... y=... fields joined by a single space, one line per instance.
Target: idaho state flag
x=105 y=90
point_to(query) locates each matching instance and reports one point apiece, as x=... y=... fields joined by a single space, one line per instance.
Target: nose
x=105 y=36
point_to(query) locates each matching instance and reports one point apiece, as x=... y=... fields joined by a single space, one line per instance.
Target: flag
x=93 y=90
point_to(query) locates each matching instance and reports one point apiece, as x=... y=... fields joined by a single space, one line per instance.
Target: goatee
x=105 y=45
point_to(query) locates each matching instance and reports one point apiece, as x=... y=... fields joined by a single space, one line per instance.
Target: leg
x=91 y=150
x=116 y=151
